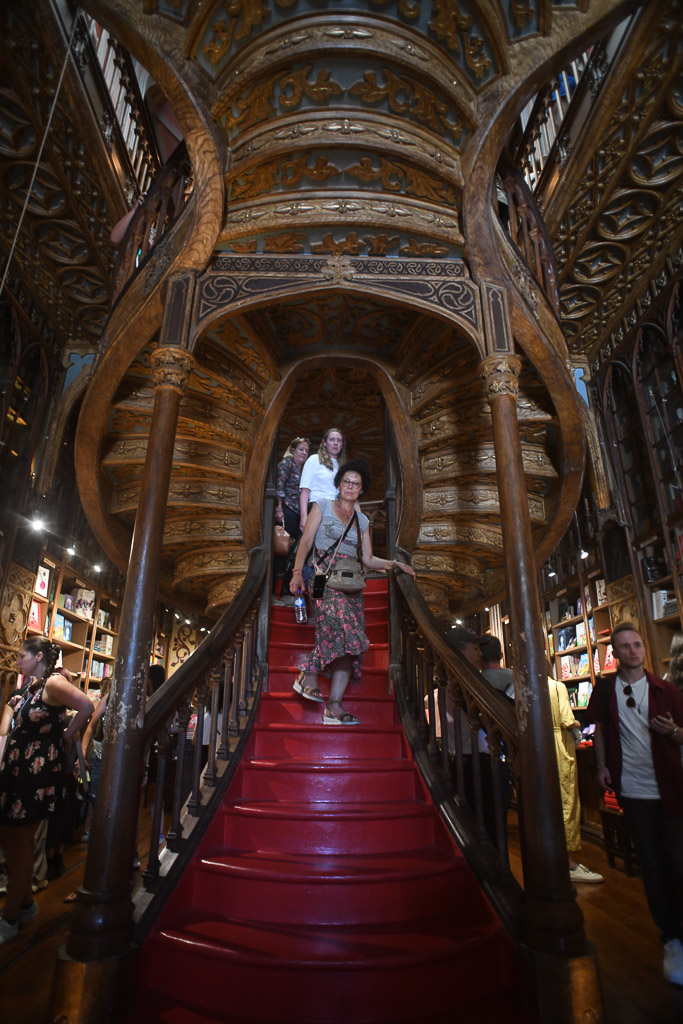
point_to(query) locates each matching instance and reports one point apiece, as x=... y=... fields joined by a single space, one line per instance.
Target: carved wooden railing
x=550 y=123
x=527 y=229
x=155 y=213
x=432 y=675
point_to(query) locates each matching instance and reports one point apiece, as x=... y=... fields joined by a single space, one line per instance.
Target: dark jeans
x=658 y=841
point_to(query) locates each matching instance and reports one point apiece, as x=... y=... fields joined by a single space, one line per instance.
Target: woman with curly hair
x=340 y=639
x=32 y=773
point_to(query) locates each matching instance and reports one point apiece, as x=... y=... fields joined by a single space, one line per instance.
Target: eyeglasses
x=352 y=483
x=628 y=693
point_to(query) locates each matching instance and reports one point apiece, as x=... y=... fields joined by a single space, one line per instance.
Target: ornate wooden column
x=102 y=921
x=553 y=922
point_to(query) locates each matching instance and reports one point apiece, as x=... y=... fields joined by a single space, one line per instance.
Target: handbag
x=281 y=540
x=347 y=576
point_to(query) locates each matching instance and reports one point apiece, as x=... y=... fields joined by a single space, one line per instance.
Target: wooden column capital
x=171 y=367
x=500 y=375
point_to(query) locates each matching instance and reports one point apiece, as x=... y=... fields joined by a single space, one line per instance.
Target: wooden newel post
x=553 y=921
x=102 y=920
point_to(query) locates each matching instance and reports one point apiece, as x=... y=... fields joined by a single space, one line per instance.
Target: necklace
x=628 y=693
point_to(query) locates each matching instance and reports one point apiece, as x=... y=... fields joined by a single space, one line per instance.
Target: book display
x=73 y=613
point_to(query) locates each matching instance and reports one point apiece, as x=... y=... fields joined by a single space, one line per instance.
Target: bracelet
x=297 y=572
x=674 y=731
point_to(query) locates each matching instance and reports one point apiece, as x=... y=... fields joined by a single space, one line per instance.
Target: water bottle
x=300 y=607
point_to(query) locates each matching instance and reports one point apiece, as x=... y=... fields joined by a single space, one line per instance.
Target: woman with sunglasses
x=340 y=639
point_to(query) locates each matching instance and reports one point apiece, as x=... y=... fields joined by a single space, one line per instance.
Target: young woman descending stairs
x=326 y=890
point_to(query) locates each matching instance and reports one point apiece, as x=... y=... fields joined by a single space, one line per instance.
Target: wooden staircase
x=326 y=889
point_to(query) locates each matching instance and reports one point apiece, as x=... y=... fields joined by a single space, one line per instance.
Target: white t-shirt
x=319 y=479
x=637 y=768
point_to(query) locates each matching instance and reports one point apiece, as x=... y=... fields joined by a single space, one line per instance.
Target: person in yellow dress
x=563 y=723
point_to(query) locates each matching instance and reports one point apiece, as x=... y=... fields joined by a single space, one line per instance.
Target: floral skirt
x=339 y=630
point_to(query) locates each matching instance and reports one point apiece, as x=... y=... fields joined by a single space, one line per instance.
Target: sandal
x=307 y=692
x=346 y=718
x=71 y=898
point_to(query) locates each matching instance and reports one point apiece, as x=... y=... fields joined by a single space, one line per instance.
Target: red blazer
x=666 y=755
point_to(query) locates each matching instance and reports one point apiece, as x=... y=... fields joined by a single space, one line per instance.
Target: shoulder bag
x=348 y=575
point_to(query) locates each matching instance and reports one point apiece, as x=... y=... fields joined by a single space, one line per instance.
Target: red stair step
x=306 y=742
x=294 y=709
x=336 y=974
x=348 y=781
x=299 y=828
x=335 y=890
x=286 y=655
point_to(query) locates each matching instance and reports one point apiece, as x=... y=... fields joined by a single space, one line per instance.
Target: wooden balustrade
x=152 y=218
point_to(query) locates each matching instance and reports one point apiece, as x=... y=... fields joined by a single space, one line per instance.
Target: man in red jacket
x=638 y=738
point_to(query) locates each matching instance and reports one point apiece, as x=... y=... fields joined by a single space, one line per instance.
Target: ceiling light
x=37 y=524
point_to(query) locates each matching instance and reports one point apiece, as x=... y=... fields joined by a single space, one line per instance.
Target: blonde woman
x=317 y=476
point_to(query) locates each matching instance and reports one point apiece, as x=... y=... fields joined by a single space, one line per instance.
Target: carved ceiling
x=344 y=138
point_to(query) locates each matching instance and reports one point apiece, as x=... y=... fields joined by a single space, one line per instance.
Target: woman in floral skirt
x=340 y=639
x=32 y=773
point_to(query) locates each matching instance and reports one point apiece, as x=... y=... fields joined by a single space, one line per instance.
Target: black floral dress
x=32 y=774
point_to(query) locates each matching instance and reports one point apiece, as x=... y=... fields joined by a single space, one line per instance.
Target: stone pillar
x=102 y=920
x=553 y=922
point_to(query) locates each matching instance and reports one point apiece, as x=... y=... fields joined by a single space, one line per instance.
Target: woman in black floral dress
x=32 y=773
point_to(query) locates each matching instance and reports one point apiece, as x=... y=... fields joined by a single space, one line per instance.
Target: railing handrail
x=171 y=693
x=152 y=219
x=494 y=707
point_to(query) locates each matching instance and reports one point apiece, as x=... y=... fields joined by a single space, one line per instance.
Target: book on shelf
x=551 y=644
x=584 y=664
x=583 y=695
x=600 y=592
x=596 y=661
x=588 y=604
x=610 y=661
x=573 y=698
x=580 y=634
x=42 y=583
x=591 y=629
x=662 y=598
x=34 y=616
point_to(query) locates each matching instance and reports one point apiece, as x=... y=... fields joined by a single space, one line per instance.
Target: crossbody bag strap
x=340 y=541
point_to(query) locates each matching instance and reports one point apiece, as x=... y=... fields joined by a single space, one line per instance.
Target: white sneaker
x=673 y=961
x=8 y=931
x=583 y=874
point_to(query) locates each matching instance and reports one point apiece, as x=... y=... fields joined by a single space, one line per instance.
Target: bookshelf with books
x=68 y=608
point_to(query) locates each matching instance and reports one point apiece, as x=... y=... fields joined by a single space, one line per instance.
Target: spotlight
x=584 y=553
x=37 y=525
x=97 y=568
x=71 y=551
x=187 y=622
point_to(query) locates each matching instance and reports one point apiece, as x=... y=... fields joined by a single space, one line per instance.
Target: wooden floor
x=617 y=922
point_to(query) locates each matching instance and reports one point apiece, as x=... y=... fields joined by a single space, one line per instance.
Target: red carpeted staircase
x=326 y=890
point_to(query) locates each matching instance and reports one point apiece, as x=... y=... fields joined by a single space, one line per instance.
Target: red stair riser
x=328 y=741
x=320 y=902
x=296 y=710
x=285 y=656
x=325 y=835
x=301 y=636
x=337 y=786
x=341 y=993
x=373 y=683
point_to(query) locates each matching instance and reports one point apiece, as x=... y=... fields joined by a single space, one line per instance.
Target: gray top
x=331 y=529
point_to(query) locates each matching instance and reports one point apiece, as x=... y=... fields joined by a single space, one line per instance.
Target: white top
x=637 y=769
x=319 y=479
